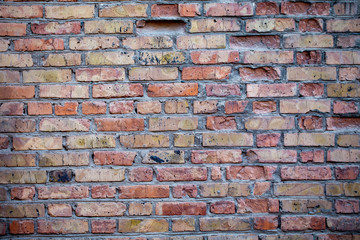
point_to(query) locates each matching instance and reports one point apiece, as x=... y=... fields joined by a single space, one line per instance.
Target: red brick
x=173 y=90
x=310 y=122
x=96 y=107
x=189 y=10
x=144 y=191
x=164 y=10
x=103 y=226
x=346 y=206
x=220 y=123
x=264 y=106
x=222 y=207
x=67 y=108
x=31 y=11
x=215 y=57
x=22 y=227
x=60 y=210
x=117 y=90
x=4 y=143
x=141 y=174
x=261 y=188
x=271 y=90
x=11 y=109
x=235 y=106
x=216 y=173
x=17 y=92
x=70 y=226
x=297 y=8
x=271 y=155
x=267 y=8
x=258 y=205
x=216 y=156
x=261 y=73
x=343 y=223
x=37 y=44
x=100 y=209
x=12 y=29
x=335 y=123
x=39 y=108
x=56 y=28
x=180 y=191
x=347 y=172
x=316 y=156
x=65 y=192
x=205 y=73
x=17 y=125
x=250 y=172
x=150 y=107
x=311 y=89
x=311 y=25
x=181 y=174
x=258 y=42
x=180 y=208
x=222 y=90
x=23 y=193
x=342 y=107
x=103 y=192
x=224 y=224
x=114 y=158
x=99 y=74
x=228 y=9
x=119 y=124
x=267 y=140
x=266 y=223
x=347 y=41
x=302 y=223
x=308 y=57
x=121 y=107
x=306 y=173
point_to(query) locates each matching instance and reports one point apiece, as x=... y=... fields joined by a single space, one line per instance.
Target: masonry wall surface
x=213 y=120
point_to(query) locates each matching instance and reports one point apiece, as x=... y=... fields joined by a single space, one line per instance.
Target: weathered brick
x=161 y=58
x=271 y=156
x=75 y=192
x=141 y=174
x=235 y=106
x=266 y=222
x=308 y=41
x=7 y=76
x=37 y=143
x=70 y=12
x=311 y=25
x=103 y=226
x=151 y=73
x=11 y=109
x=298 y=189
x=147 y=42
x=103 y=209
x=189 y=10
x=172 y=107
x=164 y=10
x=347 y=206
x=343 y=90
x=266 y=57
x=250 y=172
x=264 y=107
x=311 y=73
x=121 y=107
x=348 y=140
x=258 y=205
x=222 y=207
x=215 y=57
x=180 y=208
x=304 y=106
x=145 y=141
x=172 y=124
x=344 y=8
x=335 y=123
x=22 y=211
x=56 y=28
x=184 y=140
x=347 y=41
x=173 y=90
x=267 y=8
x=220 y=123
x=151 y=107
x=346 y=25
x=351 y=73
x=229 y=9
x=4 y=45
x=224 y=224
x=22 y=193
x=107 y=27
x=17 y=125
x=270 y=24
x=302 y=223
x=114 y=158
x=64 y=91
x=96 y=107
x=181 y=191
x=12 y=29
x=270 y=123
x=201 y=41
x=311 y=89
x=271 y=90
x=306 y=173
x=267 y=140
x=306 y=206
x=38 y=44
x=164 y=157
x=67 y=108
x=30 y=11
x=230 y=139
x=140 y=209
x=64 y=125
x=294 y=8
x=343 y=155
x=216 y=156
x=343 y=57
x=4 y=144
x=261 y=73
x=16 y=60
x=103 y=191
x=61 y=226
x=144 y=191
x=60 y=210
x=309 y=139
x=181 y=174
x=214 y=25
x=143 y=225
x=117 y=90
x=119 y=124
x=124 y=10
x=60 y=60
x=22 y=227
x=342 y=107
x=17 y=160
x=222 y=90
x=100 y=175
x=109 y=58
x=183 y=225
x=100 y=74
x=93 y=43
x=309 y=57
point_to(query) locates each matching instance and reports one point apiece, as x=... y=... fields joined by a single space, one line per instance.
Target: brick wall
x=179 y=120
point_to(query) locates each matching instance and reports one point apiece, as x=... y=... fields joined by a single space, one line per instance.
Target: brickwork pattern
x=179 y=120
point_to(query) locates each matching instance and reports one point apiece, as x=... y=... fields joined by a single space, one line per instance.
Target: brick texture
x=180 y=119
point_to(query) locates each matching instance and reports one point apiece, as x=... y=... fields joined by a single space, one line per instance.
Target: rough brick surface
x=180 y=120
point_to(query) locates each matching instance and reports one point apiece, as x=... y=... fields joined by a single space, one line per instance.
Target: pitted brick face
x=180 y=120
